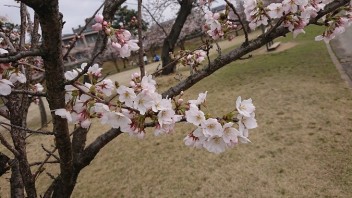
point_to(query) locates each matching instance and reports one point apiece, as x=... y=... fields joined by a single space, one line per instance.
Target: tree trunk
x=17 y=188
x=51 y=25
x=140 y=40
x=18 y=107
x=171 y=40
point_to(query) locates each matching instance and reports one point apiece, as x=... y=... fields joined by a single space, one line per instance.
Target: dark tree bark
x=171 y=40
x=140 y=39
x=4 y=160
x=17 y=187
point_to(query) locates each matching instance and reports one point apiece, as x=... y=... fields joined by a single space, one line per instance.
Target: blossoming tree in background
x=128 y=108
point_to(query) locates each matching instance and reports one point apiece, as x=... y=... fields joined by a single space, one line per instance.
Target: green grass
x=301 y=148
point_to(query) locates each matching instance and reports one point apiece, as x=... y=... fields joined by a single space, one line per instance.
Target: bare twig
x=8 y=145
x=154 y=19
x=51 y=153
x=39 y=170
x=81 y=31
x=32 y=66
x=174 y=61
x=26 y=129
x=47 y=162
x=239 y=19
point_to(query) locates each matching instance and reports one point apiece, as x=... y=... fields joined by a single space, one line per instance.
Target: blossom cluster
x=192 y=59
x=217 y=135
x=296 y=15
x=9 y=76
x=131 y=108
x=120 y=39
x=215 y=26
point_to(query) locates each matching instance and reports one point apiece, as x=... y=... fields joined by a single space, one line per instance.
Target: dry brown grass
x=300 y=149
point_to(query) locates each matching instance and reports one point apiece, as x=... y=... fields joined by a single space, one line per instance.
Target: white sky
x=74 y=11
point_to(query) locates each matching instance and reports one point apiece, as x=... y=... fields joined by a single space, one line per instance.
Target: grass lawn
x=302 y=147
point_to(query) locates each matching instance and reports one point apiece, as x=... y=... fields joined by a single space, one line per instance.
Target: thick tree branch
x=34 y=34
x=13 y=57
x=93 y=149
x=41 y=94
x=23 y=13
x=27 y=130
x=8 y=42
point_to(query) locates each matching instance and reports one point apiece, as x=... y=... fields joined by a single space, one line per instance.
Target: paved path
x=342 y=47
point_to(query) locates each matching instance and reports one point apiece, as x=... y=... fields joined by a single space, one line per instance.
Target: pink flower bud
x=117 y=46
x=99 y=18
x=97 y=27
x=136 y=75
x=107 y=31
x=180 y=101
x=105 y=23
x=132 y=84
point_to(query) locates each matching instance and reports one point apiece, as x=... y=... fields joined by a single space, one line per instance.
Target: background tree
x=127 y=18
x=171 y=40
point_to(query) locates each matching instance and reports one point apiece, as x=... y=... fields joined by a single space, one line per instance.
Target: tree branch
x=8 y=146
x=23 y=13
x=81 y=31
x=41 y=94
x=154 y=19
x=12 y=57
x=93 y=148
x=8 y=42
x=239 y=19
x=27 y=130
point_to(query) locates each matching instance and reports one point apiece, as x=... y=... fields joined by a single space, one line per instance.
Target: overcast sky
x=74 y=11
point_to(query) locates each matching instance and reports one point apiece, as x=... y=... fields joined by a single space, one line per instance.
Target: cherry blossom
x=63 y=113
x=230 y=134
x=126 y=95
x=245 y=107
x=17 y=76
x=106 y=87
x=215 y=144
x=200 y=100
x=5 y=87
x=38 y=87
x=275 y=10
x=211 y=127
x=194 y=115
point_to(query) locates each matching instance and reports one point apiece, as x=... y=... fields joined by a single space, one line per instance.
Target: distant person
x=145 y=59
x=156 y=58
